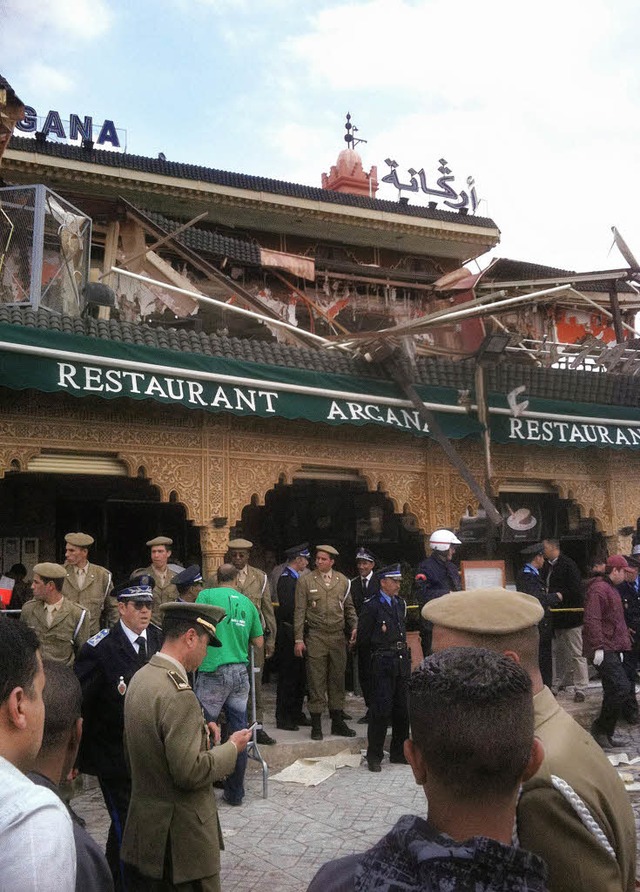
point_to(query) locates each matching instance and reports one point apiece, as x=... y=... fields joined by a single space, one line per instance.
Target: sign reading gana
x=104 y=135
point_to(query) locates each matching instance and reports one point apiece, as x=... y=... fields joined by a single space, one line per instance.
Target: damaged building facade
x=171 y=412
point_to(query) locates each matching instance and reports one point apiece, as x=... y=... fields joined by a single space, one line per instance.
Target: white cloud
x=40 y=77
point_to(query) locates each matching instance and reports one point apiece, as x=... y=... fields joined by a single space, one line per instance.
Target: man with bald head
x=574 y=812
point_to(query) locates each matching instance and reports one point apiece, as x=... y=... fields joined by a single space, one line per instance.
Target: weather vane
x=351 y=140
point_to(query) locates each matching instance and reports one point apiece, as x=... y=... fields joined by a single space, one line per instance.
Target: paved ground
x=278 y=843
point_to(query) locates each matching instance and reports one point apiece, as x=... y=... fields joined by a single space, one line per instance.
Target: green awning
x=56 y=362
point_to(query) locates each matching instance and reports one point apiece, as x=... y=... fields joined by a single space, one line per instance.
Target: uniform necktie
x=142 y=648
x=81 y=573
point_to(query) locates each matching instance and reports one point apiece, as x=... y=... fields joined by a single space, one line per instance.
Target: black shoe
x=373 y=765
x=287 y=726
x=339 y=727
x=229 y=802
x=303 y=721
x=316 y=726
x=365 y=719
x=398 y=760
x=263 y=738
x=615 y=741
x=600 y=737
x=345 y=715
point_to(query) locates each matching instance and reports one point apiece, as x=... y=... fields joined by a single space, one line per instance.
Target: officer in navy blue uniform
x=363 y=586
x=382 y=635
x=437 y=575
x=105 y=666
x=291 y=685
x=529 y=580
x=189 y=583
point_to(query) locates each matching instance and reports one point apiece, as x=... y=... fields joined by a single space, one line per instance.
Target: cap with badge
x=240 y=545
x=48 y=570
x=363 y=554
x=205 y=615
x=160 y=540
x=139 y=588
x=484 y=611
x=81 y=540
x=393 y=571
x=533 y=550
x=328 y=549
x=295 y=551
x=188 y=577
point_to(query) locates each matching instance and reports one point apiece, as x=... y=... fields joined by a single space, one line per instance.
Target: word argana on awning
x=56 y=362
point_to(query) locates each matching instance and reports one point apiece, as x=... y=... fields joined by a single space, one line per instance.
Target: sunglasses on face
x=141 y=605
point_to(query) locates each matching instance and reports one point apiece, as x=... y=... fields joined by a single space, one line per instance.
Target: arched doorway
x=38 y=508
x=341 y=512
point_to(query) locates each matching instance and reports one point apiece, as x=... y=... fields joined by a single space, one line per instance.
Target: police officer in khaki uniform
x=323 y=608
x=172 y=837
x=61 y=625
x=253 y=584
x=575 y=780
x=88 y=585
x=164 y=589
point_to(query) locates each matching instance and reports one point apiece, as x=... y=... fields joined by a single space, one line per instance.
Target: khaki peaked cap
x=328 y=549
x=205 y=615
x=240 y=544
x=48 y=570
x=82 y=540
x=160 y=540
x=484 y=611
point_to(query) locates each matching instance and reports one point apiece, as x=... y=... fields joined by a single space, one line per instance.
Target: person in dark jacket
x=62 y=733
x=105 y=666
x=437 y=575
x=529 y=580
x=630 y=594
x=605 y=636
x=472 y=744
x=291 y=669
x=363 y=587
x=563 y=577
x=382 y=639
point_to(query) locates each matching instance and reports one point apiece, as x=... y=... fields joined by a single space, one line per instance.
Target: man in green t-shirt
x=223 y=679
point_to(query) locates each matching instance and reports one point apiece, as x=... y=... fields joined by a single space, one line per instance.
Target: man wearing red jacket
x=605 y=635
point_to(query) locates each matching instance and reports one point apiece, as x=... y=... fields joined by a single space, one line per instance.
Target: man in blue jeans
x=223 y=678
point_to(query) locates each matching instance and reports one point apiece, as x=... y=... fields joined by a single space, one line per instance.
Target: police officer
x=324 y=607
x=363 y=586
x=291 y=670
x=529 y=580
x=105 y=666
x=61 y=625
x=382 y=637
x=253 y=584
x=163 y=590
x=189 y=583
x=88 y=585
x=437 y=575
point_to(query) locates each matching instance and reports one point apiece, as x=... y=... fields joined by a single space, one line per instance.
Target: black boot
x=316 y=726
x=338 y=725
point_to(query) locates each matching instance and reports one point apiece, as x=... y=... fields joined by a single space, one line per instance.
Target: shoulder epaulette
x=178 y=680
x=98 y=637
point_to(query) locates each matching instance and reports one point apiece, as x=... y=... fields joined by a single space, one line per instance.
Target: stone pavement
x=277 y=844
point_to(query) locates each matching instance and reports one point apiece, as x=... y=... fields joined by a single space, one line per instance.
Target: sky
x=538 y=102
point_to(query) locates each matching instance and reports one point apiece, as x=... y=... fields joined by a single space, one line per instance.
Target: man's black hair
x=62 y=696
x=58 y=583
x=471 y=716
x=555 y=543
x=227 y=573
x=18 y=656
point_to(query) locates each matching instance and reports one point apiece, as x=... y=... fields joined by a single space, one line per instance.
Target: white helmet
x=442 y=540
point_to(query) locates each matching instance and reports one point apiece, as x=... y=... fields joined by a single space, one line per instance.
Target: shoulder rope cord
x=583 y=812
x=80 y=621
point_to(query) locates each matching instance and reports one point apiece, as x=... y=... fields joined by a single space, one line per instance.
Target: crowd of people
x=132 y=685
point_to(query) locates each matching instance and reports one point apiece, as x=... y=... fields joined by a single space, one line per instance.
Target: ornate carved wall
x=214 y=465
